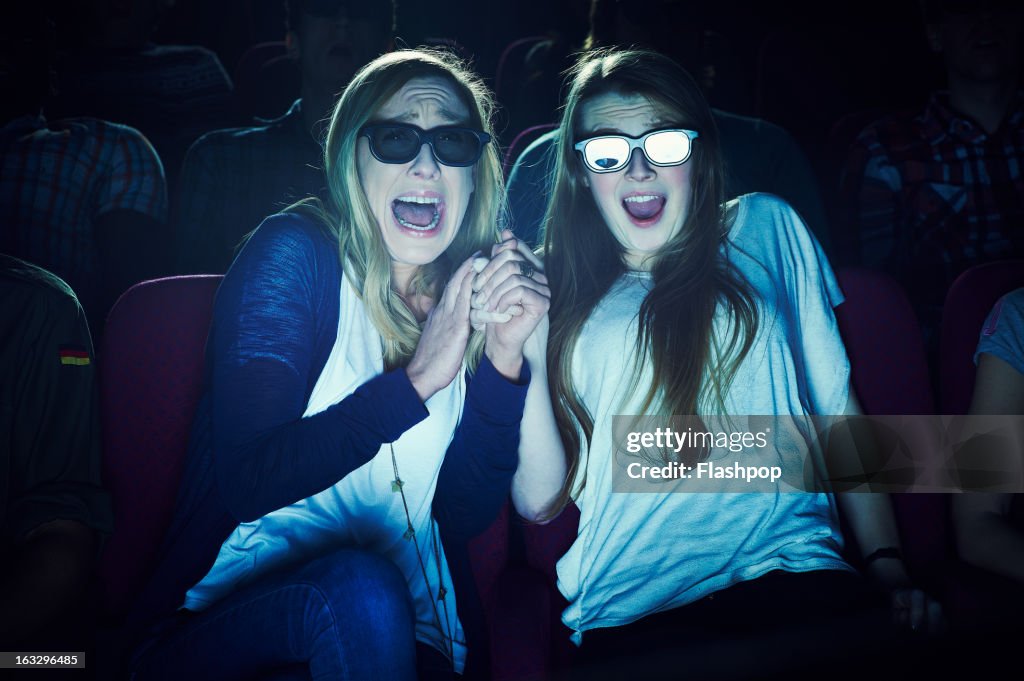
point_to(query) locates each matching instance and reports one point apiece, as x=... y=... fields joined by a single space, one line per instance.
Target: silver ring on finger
x=526 y=269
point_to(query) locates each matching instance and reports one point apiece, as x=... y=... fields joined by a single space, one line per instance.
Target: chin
x=418 y=250
x=415 y=256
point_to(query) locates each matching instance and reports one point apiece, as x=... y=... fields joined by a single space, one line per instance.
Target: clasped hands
x=506 y=296
x=510 y=302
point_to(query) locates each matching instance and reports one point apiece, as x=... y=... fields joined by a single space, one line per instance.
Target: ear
x=291 y=44
x=585 y=179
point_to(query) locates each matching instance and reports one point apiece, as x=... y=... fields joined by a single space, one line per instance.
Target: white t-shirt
x=361 y=510
x=641 y=553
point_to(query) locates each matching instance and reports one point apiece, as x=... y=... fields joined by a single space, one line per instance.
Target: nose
x=425 y=165
x=639 y=169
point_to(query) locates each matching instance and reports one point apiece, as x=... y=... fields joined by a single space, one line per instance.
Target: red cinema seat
x=151 y=375
x=890 y=376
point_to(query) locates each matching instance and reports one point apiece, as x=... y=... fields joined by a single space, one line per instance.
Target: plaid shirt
x=58 y=178
x=934 y=194
x=232 y=179
x=172 y=94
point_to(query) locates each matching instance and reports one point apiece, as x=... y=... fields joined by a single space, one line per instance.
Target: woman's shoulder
x=1002 y=334
x=289 y=239
x=1014 y=301
x=1006 y=317
x=766 y=224
x=293 y=229
x=759 y=210
x=288 y=253
x=768 y=238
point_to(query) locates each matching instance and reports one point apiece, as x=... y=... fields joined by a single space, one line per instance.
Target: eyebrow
x=659 y=124
x=446 y=114
x=602 y=131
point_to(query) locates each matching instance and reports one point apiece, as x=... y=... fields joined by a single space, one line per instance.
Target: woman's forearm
x=985 y=537
x=262 y=466
x=869 y=514
x=474 y=479
x=871 y=518
x=541 y=472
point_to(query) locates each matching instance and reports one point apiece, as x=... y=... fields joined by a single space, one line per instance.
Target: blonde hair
x=348 y=217
x=692 y=366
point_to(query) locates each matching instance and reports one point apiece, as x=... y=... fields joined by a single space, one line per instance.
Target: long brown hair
x=347 y=214
x=692 y=365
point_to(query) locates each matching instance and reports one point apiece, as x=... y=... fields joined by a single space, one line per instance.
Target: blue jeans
x=347 y=615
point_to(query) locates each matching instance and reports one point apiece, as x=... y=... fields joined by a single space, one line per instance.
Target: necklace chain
x=398 y=485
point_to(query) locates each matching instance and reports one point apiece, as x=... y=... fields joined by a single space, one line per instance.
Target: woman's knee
x=361 y=585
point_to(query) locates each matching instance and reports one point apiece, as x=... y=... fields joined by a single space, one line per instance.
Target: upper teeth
x=642 y=199
x=420 y=199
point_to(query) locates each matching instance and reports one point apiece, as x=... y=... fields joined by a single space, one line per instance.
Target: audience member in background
x=990 y=527
x=228 y=27
x=83 y=198
x=52 y=508
x=113 y=70
x=232 y=179
x=930 y=195
x=758 y=156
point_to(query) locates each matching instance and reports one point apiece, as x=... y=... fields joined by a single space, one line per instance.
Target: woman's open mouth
x=418 y=215
x=644 y=209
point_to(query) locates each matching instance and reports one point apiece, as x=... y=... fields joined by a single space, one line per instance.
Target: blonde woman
x=666 y=300
x=353 y=436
